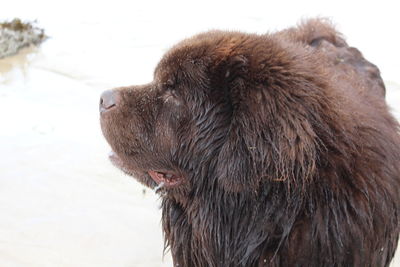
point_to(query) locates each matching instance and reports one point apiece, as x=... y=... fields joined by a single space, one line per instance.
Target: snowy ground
x=61 y=201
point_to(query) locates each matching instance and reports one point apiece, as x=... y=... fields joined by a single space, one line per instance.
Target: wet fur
x=289 y=154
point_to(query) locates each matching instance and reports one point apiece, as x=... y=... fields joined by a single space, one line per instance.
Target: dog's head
x=222 y=111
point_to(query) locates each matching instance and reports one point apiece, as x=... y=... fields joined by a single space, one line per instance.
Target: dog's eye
x=169 y=96
x=169 y=92
x=170 y=89
x=169 y=85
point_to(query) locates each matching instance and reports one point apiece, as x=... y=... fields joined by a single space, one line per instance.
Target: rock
x=16 y=34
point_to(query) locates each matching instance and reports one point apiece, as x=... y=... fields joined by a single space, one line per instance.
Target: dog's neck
x=226 y=229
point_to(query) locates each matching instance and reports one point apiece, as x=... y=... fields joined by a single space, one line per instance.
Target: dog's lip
x=166 y=178
x=103 y=110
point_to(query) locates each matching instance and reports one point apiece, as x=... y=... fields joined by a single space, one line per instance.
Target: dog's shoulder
x=344 y=61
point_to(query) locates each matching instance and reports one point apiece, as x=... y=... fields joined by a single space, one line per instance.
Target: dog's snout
x=108 y=100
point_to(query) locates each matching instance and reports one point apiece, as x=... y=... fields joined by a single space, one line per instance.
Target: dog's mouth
x=163 y=179
x=167 y=179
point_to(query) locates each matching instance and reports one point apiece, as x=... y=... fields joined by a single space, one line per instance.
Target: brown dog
x=268 y=150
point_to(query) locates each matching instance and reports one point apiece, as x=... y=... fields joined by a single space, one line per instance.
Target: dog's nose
x=108 y=100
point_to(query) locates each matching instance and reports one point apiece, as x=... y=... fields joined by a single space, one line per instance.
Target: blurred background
x=61 y=201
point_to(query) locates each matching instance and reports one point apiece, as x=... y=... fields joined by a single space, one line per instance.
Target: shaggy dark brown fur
x=268 y=150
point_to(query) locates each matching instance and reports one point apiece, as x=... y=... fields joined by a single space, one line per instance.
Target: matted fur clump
x=267 y=150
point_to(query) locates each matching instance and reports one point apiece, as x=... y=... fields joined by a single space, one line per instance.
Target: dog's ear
x=266 y=139
x=236 y=168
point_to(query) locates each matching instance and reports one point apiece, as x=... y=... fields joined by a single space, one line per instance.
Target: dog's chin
x=117 y=162
x=142 y=177
x=154 y=179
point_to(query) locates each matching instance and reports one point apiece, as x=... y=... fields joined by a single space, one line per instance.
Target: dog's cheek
x=235 y=170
